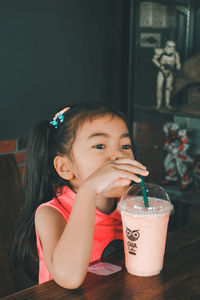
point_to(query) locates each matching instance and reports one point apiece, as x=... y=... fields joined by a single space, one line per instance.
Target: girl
x=78 y=165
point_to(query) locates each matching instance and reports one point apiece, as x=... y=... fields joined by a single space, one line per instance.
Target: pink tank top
x=107 y=229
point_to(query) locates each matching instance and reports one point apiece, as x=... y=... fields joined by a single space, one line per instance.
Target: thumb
x=121 y=182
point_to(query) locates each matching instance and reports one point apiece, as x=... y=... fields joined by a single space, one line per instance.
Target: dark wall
x=54 y=53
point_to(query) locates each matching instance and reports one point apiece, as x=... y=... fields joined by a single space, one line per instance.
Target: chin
x=116 y=192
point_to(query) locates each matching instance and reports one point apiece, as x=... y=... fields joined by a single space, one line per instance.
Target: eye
x=136 y=234
x=99 y=146
x=126 y=147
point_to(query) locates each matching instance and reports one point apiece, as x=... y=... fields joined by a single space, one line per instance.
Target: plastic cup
x=145 y=229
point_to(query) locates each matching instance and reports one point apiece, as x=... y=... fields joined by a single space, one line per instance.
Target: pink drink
x=145 y=232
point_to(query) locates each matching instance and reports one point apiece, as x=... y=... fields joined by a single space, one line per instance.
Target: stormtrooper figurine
x=177 y=161
x=168 y=62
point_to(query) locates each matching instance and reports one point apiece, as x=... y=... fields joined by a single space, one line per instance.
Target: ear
x=63 y=167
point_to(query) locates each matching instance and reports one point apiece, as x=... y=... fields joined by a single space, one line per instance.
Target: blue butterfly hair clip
x=59 y=117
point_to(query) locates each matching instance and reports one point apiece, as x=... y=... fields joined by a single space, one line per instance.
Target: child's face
x=98 y=141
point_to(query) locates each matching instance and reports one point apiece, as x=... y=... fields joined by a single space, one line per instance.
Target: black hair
x=45 y=142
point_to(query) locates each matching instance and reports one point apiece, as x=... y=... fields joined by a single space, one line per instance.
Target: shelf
x=191 y=196
x=184 y=111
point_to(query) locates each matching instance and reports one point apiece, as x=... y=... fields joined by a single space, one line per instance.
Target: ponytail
x=38 y=189
x=37 y=184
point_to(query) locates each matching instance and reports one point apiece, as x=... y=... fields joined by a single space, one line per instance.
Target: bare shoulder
x=50 y=225
x=47 y=217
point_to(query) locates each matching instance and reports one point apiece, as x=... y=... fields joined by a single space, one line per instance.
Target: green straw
x=144 y=192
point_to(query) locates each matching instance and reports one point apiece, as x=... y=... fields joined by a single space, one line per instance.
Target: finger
x=131 y=162
x=119 y=183
x=124 y=174
x=132 y=169
x=125 y=181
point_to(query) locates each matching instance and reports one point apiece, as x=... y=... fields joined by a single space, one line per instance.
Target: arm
x=156 y=57
x=67 y=248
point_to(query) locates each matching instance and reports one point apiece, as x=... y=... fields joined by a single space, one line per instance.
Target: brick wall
x=18 y=148
x=149 y=141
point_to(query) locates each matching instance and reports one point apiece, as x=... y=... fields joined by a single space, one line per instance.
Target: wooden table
x=180 y=278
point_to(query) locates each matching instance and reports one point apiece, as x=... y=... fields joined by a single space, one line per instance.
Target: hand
x=162 y=68
x=115 y=174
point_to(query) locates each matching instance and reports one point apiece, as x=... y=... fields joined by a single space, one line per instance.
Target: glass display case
x=163 y=86
x=166 y=59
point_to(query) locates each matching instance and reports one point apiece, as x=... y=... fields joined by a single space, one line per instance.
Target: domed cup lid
x=132 y=202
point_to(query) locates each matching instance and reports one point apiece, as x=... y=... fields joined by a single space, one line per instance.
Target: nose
x=116 y=154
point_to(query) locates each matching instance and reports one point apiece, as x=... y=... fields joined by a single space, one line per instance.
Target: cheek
x=131 y=155
x=83 y=169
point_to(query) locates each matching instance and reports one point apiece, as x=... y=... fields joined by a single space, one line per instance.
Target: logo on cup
x=132 y=235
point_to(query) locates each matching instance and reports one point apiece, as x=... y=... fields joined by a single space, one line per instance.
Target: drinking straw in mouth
x=144 y=192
